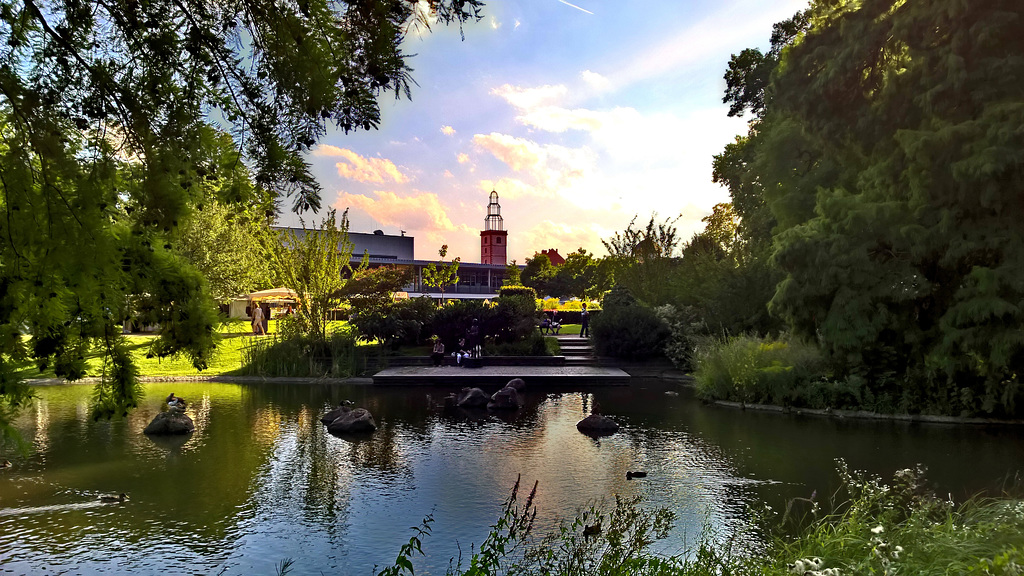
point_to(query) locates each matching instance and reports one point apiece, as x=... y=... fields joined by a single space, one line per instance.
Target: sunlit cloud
x=564 y=236
x=494 y=23
x=447 y=130
x=410 y=212
x=512 y=189
x=360 y=168
x=595 y=80
x=448 y=174
x=522 y=155
x=529 y=98
x=462 y=158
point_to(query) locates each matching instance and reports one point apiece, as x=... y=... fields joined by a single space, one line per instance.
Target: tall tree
x=316 y=264
x=577 y=276
x=103 y=109
x=908 y=266
x=441 y=275
x=539 y=274
x=642 y=258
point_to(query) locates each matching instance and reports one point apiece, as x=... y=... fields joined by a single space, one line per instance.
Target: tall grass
x=297 y=355
x=903 y=528
x=762 y=370
x=873 y=528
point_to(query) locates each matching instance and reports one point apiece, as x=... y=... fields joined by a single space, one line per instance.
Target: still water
x=260 y=480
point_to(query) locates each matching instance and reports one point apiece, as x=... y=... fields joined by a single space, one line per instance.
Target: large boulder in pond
x=353 y=422
x=505 y=399
x=472 y=398
x=518 y=383
x=597 y=425
x=170 y=422
x=335 y=414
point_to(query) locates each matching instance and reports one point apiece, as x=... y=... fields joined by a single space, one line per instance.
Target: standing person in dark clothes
x=473 y=337
x=584 y=322
x=266 y=317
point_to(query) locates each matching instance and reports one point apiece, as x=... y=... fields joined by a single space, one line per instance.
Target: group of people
x=552 y=325
x=468 y=346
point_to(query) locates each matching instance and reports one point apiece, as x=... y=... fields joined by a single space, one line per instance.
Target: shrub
x=517 y=317
x=452 y=320
x=686 y=330
x=763 y=370
x=532 y=345
x=517 y=291
x=626 y=329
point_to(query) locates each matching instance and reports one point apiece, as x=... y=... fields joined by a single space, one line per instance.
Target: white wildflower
x=878 y=529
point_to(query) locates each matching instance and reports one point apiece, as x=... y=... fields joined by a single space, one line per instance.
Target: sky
x=581 y=115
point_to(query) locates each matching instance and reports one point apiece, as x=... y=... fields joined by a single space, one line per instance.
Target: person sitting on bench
x=545 y=325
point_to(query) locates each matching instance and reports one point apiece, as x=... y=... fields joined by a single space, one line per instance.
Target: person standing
x=257 y=320
x=584 y=323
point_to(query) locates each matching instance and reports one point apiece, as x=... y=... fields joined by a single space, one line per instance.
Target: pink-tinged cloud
x=510 y=188
x=462 y=158
x=414 y=211
x=448 y=174
x=529 y=98
x=566 y=238
x=551 y=166
x=447 y=130
x=360 y=168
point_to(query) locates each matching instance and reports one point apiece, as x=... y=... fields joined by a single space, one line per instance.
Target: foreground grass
x=879 y=529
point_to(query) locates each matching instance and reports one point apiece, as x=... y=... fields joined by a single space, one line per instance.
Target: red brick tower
x=494 y=238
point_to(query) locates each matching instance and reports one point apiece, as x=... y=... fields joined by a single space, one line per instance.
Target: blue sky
x=581 y=115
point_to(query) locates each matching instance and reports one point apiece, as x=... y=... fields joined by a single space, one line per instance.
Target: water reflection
x=261 y=480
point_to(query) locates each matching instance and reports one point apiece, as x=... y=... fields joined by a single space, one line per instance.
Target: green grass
x=234 y=336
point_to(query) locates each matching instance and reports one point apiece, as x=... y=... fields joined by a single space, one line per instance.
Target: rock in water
x=353 y=422
x=518 y=383
x=170 y=422
x=472 y=398
x=505 y=399
x=335 y=414
x=597 y=424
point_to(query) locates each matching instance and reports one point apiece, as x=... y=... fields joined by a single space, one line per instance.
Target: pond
x=260 y=480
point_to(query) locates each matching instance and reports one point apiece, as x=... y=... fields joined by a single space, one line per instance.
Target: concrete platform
x=499 y=375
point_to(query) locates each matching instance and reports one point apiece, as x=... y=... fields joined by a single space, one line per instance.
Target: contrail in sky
x=576 y=7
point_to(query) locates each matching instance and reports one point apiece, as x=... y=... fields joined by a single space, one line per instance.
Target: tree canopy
x=890 y=154
x=104 y=142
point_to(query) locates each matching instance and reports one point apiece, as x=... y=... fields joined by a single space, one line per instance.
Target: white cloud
x=447 y=130
x=595 y=80
x=528 y=98
x=360 y=168
x=494 y=23
x=463 y=158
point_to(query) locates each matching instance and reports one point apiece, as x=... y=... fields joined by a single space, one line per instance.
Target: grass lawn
x=233 y=336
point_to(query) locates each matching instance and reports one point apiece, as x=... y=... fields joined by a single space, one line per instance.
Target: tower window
x=497 y=240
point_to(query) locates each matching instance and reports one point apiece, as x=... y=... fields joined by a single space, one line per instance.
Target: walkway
x=578 y=369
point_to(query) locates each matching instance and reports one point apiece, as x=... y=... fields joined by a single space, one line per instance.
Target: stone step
x=578 y=352
x=580 y=361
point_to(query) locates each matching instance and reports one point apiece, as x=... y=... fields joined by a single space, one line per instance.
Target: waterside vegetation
x=866 y=527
